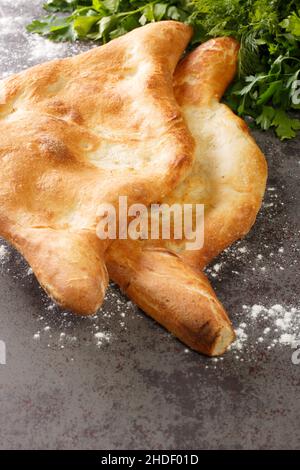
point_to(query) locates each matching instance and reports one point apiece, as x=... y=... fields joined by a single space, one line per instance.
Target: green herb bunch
x=267 y=86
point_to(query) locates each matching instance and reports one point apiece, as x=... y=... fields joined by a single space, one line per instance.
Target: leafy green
x=58 y=28
x=267 y=83
x=285 y=126
x=292 y=24
x=61 y=5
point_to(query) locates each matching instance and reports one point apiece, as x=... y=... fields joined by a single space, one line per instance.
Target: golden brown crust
x=76 y=275
x=236 y=191
x=213 y=64
x=228 y=177
x=81 y=131
x=180 y=299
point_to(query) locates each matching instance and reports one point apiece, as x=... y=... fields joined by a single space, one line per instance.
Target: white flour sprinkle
x=63 y=330
x=100 y=335
x=36 y=49
x=20 y=3
x=241 y=338
x=3 y=253
x=287 y=338
x=102 y=338
x=41 y=48
x=275 y=324
x=217 y=267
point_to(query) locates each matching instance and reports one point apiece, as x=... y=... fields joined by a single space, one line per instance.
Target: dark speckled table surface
x=118 y=380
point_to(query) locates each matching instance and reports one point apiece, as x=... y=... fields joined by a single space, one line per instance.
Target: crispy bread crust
x=81 y=131
x=172 y=293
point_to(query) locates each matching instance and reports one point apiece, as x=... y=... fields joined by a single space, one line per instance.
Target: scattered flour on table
x=58 y=329
x=20 y=49
x=41 y=48
x=19 y=3
x=102 y=337
x=277 y=325
x=3 y=253
x=266 y=325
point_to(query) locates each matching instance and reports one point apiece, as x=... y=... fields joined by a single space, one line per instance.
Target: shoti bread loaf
x=228 y=177
x=81 y=131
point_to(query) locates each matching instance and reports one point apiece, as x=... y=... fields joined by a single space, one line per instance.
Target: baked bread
x=229 y=178
x=81 y=131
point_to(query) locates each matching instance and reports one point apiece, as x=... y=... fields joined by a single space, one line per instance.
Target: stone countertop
x=134 y=386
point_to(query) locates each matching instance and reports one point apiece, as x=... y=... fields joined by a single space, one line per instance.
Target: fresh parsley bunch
x=267 y=86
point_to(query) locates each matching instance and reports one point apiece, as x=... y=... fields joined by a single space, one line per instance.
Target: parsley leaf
x=285 y=126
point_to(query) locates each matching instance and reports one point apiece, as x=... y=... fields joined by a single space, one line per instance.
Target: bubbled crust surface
x=81 y=131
